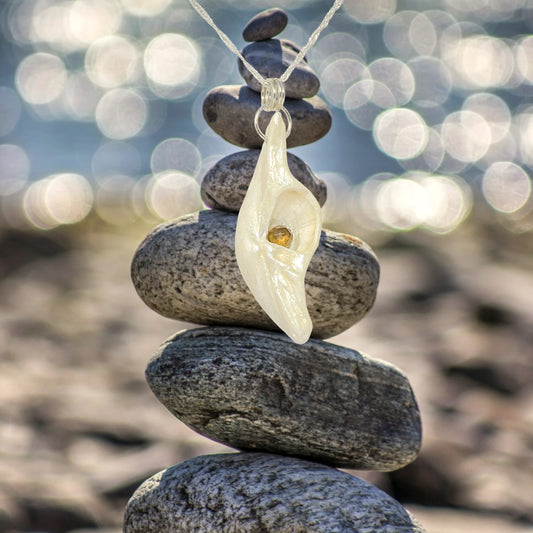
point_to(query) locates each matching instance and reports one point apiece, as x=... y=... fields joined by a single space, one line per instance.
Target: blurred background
x=429 y=159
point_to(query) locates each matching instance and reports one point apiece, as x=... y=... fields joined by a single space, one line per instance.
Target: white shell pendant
x=278 y=230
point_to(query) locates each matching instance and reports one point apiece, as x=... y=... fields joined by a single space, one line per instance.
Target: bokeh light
x=171 y=194
x=172 y=63
x=58 y=199
x=176 y=154
x=402 y=204
x=435 y=203
x=41 y=78
x=366 y=12
x=112 y=61
x=395 y=75
x=14 y=169
x=506 y=186
x=92 y=19
x=338 y=76
x=336 y=45
x=80 y=97
x=365 y=100
x=480 y=61
x=466 y=135
x=146 y=8
x=524 y=58
x=401 y=133
x=121 y=113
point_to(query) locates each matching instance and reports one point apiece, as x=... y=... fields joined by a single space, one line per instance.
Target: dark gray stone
x=225 y=185
x=262 y=493
x=265 y=25
x=230 y=109
x=271 y=58
x=186 y=269
x=317 y=401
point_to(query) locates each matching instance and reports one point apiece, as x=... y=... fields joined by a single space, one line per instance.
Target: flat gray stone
x=186 y=269
x=317 y=401
x=225 y=185
x=271 y=58
x=262 y=493
x=265 y=25
x=230 y=109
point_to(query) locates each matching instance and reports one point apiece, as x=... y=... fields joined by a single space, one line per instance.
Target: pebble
x=318 y=401
x=262 y=493
x=271 y=58
x=225 y=185
x=265 y=25
x=186 y=269
x=230 y=109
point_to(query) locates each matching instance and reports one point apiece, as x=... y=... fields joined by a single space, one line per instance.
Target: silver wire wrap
x=272 y=99
x=272 y=95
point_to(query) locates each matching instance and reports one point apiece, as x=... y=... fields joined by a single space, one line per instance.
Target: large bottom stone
x=257 y=390
x=186 y=269
x=260 y=493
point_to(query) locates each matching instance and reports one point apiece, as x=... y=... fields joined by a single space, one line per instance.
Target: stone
x=316 y=401
x=271 y=59
x=225 y=185
x=186 y=270
x=265 y=25
x=262 y=493
x=229 y=111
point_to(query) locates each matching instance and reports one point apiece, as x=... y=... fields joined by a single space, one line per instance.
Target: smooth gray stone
x=230 y=109
x=186 y=269
x=317 y=401
x=265 y=25
x=271 y=58
x=262 y=493
x=225 y=185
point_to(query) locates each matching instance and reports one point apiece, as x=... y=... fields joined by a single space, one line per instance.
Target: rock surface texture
x=318 y=401
x=259 y=493
x=265 y=25
x=186 y=270
x=255 y=389
x=225 y=184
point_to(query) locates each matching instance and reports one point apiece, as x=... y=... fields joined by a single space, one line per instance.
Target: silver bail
x=272 y=94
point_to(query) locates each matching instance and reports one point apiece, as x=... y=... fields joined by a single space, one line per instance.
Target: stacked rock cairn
x=295 y=412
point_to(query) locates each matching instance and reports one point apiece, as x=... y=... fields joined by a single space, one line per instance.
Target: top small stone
x=265 y=25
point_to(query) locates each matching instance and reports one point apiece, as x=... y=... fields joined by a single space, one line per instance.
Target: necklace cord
x=298 y=59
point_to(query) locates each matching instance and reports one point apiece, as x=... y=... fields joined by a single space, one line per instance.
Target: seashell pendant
x=278 y=231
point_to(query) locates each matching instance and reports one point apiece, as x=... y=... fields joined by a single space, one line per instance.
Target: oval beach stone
x=262 y=493
x=317 y=401
x=225 y=185
x=230 y=109
x=265 y=25
x=186 y=269
x=271 y=58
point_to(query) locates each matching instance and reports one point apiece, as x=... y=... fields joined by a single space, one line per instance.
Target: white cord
x=301 y=54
